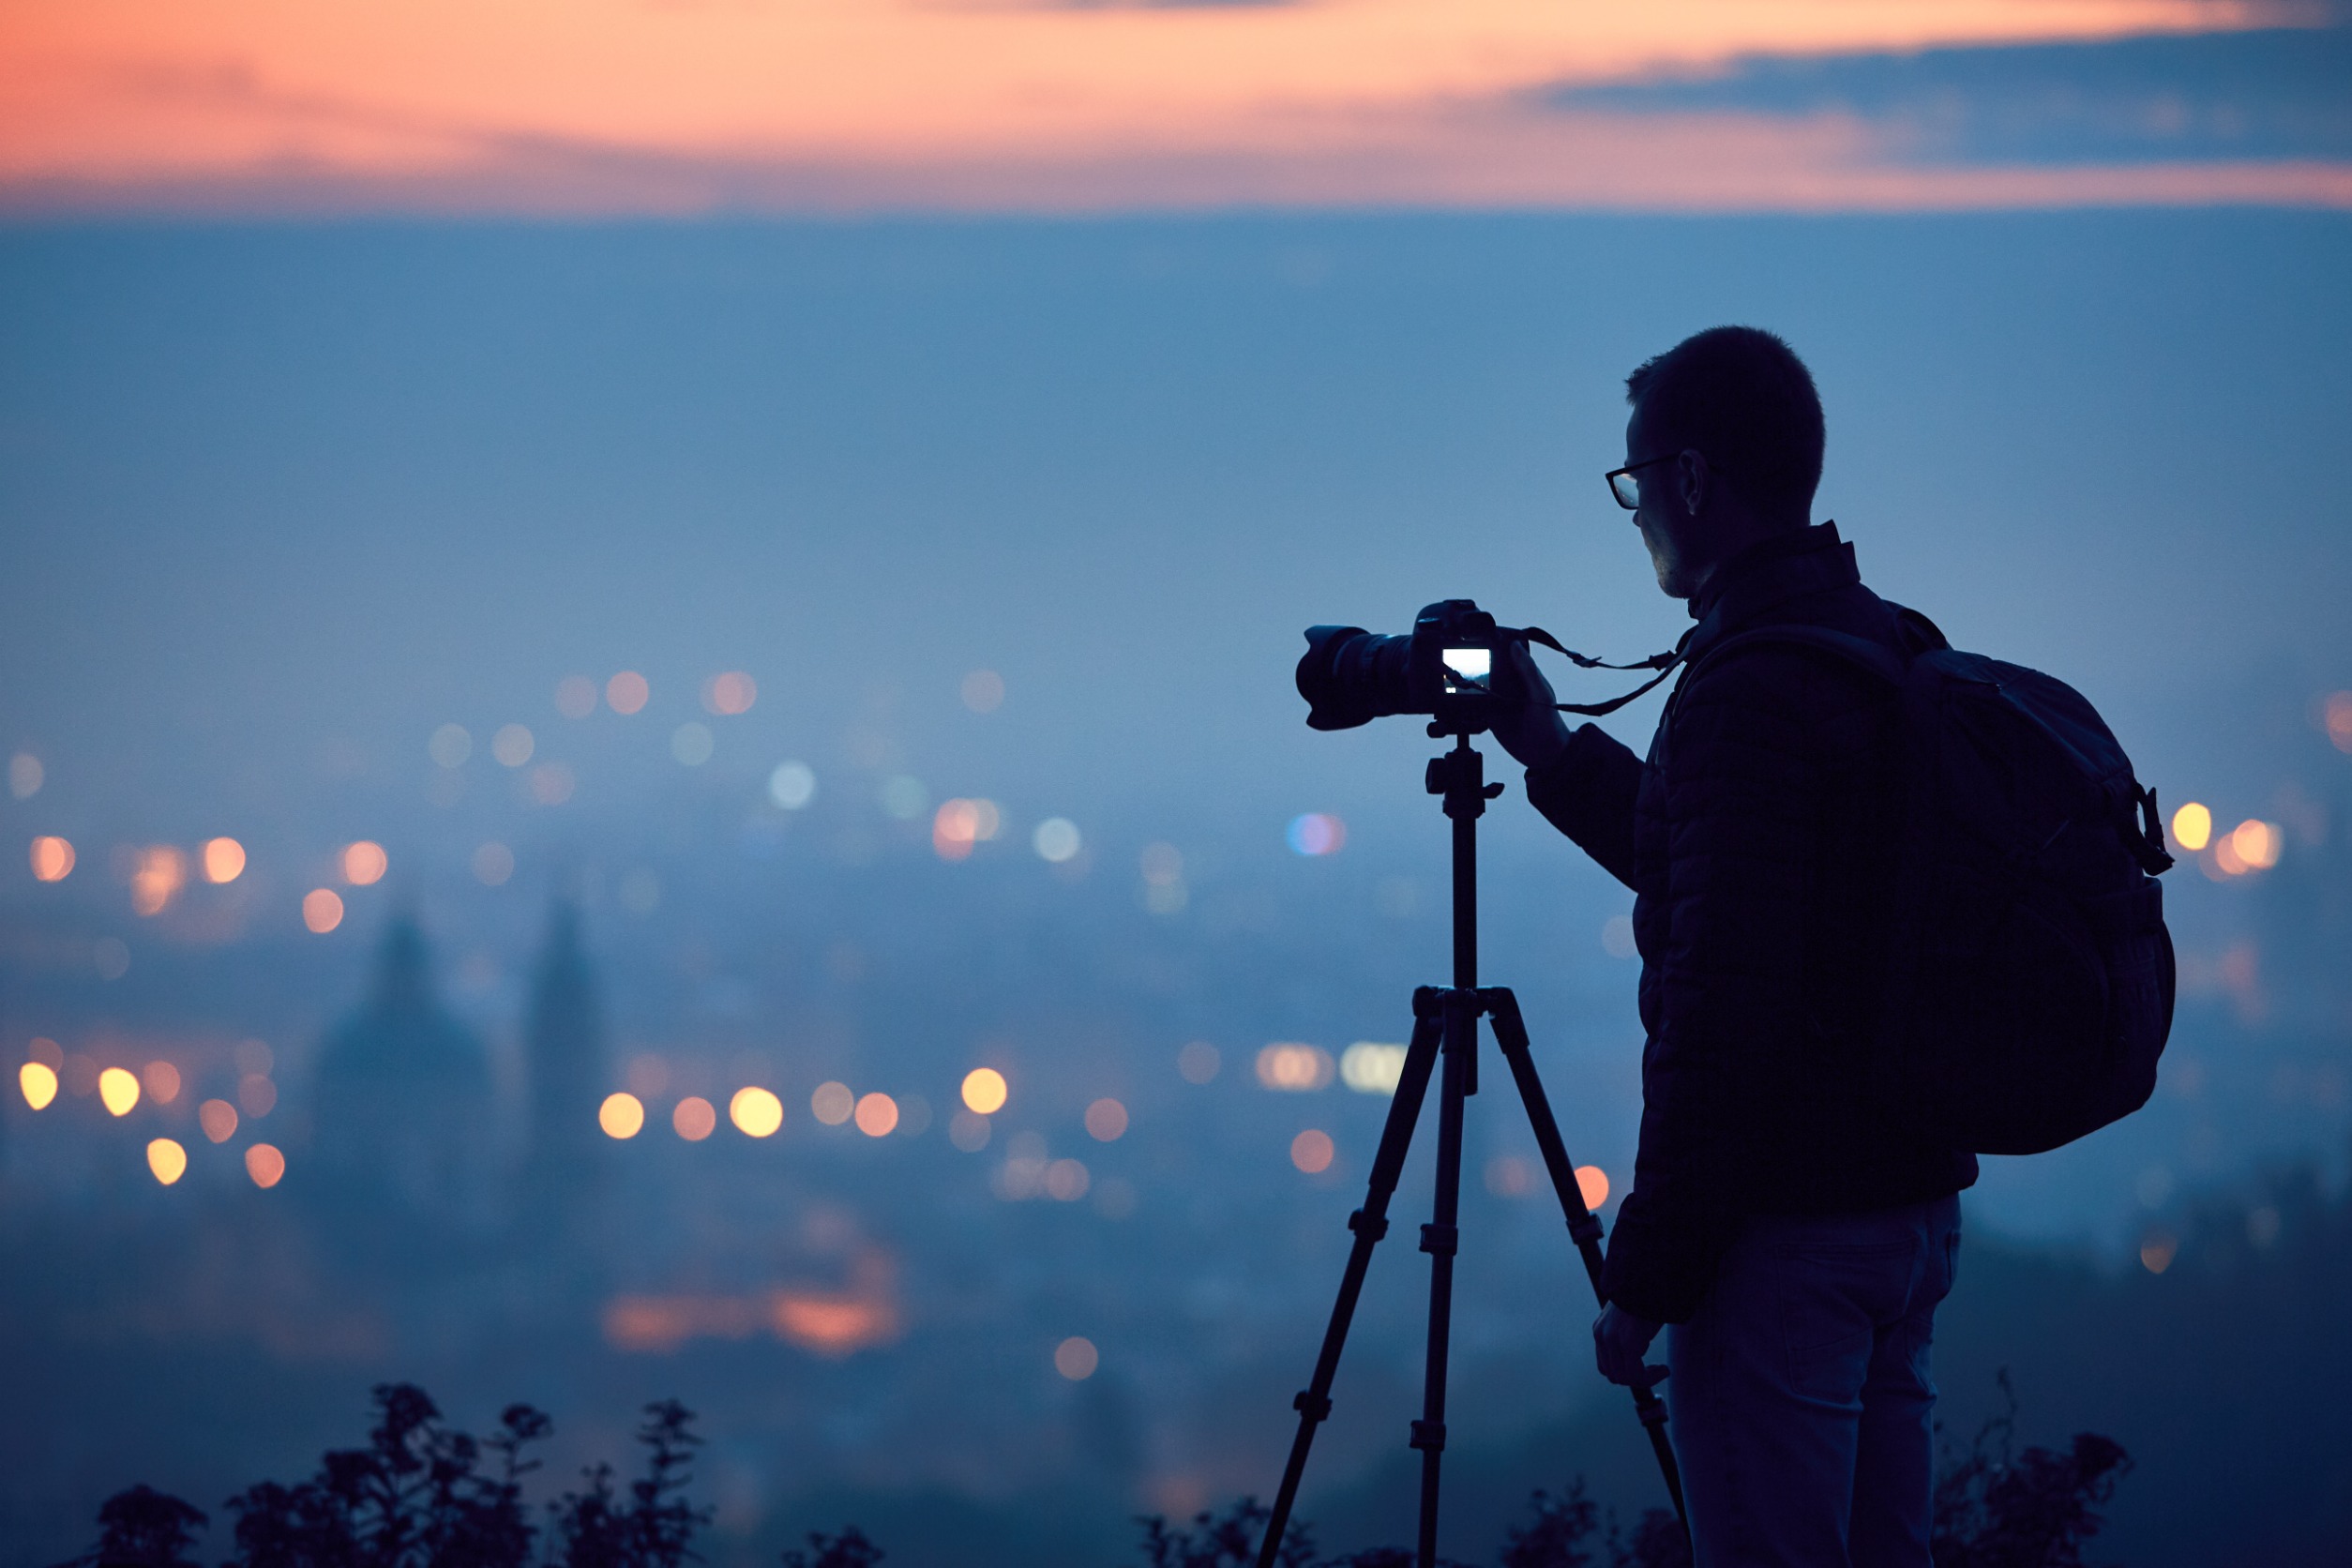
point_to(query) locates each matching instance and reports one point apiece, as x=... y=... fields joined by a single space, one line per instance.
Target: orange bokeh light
x=219 y=1119
x=364 y=863
x=695 y=1117
x=322 y=909
x=163 y=1082
x=627 y=692
x=877 y=1114
x=53 y=859
x=265 y=1163
x=162 y=872
x=1592 y=1184
x=224 y=860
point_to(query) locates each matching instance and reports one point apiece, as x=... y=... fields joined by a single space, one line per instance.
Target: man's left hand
x=1621 y=1339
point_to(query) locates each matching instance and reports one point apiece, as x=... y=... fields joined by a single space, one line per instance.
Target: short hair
x=1741 y=395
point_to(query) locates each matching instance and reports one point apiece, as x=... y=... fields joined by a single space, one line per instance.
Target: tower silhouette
x=564 y=1054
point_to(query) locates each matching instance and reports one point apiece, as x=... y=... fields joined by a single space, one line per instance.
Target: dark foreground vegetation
x=423 y=1495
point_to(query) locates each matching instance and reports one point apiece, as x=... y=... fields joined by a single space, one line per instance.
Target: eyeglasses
x=1625 y=487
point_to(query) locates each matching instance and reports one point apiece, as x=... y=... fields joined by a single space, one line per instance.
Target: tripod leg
x=1511 y=1035
x=1369 y=1223
x=1440 y=1239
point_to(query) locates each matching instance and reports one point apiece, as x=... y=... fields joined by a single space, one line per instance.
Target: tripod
x=1445 y=1027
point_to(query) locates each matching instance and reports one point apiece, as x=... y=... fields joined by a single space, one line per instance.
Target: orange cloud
x=689 y=105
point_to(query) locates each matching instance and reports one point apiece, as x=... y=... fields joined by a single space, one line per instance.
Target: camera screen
x=1468 y=668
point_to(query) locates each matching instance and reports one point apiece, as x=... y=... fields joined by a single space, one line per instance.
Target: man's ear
x=1691 y=474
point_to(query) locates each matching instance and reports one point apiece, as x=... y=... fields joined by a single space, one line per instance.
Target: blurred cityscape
x=946 y=1157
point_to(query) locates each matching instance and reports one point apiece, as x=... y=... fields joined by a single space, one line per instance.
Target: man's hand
x=1531 y=729
x=1621 y=1339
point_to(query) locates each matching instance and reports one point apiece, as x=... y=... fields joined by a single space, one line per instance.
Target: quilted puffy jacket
x=1760 y=838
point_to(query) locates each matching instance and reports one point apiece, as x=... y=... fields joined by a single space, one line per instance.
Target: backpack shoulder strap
x=1877 y=657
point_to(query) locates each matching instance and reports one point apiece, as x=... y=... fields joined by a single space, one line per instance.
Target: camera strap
x=1664 y=664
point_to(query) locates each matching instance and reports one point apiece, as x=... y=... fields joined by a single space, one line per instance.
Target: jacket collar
x=1764 y=575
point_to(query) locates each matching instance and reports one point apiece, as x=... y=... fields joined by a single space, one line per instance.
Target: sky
x=698 y=106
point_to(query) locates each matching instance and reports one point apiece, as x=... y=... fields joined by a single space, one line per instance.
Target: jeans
x=1800 y=1398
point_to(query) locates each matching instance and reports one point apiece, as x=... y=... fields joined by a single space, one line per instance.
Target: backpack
x=2032 y=989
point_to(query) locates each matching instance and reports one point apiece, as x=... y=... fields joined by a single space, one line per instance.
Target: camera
x=1446 y=667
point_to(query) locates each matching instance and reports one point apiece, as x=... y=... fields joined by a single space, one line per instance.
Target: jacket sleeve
x=1587 y=792
x=1740 y=787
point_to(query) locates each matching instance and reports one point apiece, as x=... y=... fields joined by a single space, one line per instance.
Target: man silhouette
x=1795 y=1233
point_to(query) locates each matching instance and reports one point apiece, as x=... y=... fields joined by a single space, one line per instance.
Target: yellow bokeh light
x=1076 y=1358
x=877 y=1114
x=755 y=1111
x=38 y=1082
x=322 y=909
x=167 y=1159
x=626 y=691
x=695 y=1119
x=265 y=1163
x=364 y=863
x=2192 y=827
x=119 y=1091
x=219 y=1119
x=985 y=1091
x=224 y=860
x=1592 y=1184
x=163 y=1082
x=2257 y=843
x=621 y=1115
x=53 y=859
x=833 y=1104
x=1106 y=1119
x=1311 y=1151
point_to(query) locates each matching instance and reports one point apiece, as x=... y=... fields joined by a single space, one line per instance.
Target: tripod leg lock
x=1314 y=1406
x=1370 y=1226
x=1650 y=1407
x=1441 y=1240
x=1584 y=1227
x=1429 y=1435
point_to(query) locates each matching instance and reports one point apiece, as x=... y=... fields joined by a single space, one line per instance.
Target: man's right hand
x=1532 y=729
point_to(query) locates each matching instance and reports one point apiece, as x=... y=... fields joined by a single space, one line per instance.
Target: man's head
x=1724 y=442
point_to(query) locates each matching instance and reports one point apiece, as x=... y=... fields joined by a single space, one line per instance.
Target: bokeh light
x=2156 y=1251
x=1056 y=840
x=756 y=1111
x=37 y=1082
x=25 y=774
x=1294 y=1068
x=2257 y=844
x=692 y=743
x=961 y=823
x=832 y=1103
x=2192 y=827
x=2335 y=717
x=1162 y=864
x=163 y=1082
x=162 y=872
x=622 y=1115
x=1311 y=1151
x=626 y=692
x=983 y=691
x=513 y=745
x=450 y=745
x=969 y=1130
x=493 y=862
x=167 y=1159
x=695 y=1117
x=730 y=693
x=119 y=1091
x=224 y=860
x=575 y=696
x=1509 y=1176
x=265 y=1163
x=364 y=863
x=904 y=797
x=1198 y=1061
x=1066 y=1180
x=322 y=909
x=1316 y=832
x=985 y=1090
x=257 y=1094
x=1076 y=1358
x=1370 y=1068
x=792 y=785
x=1107 y=1120
x=53 y=859
x=219 y=1119
x=877 y=1114
x=1592 y=1184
